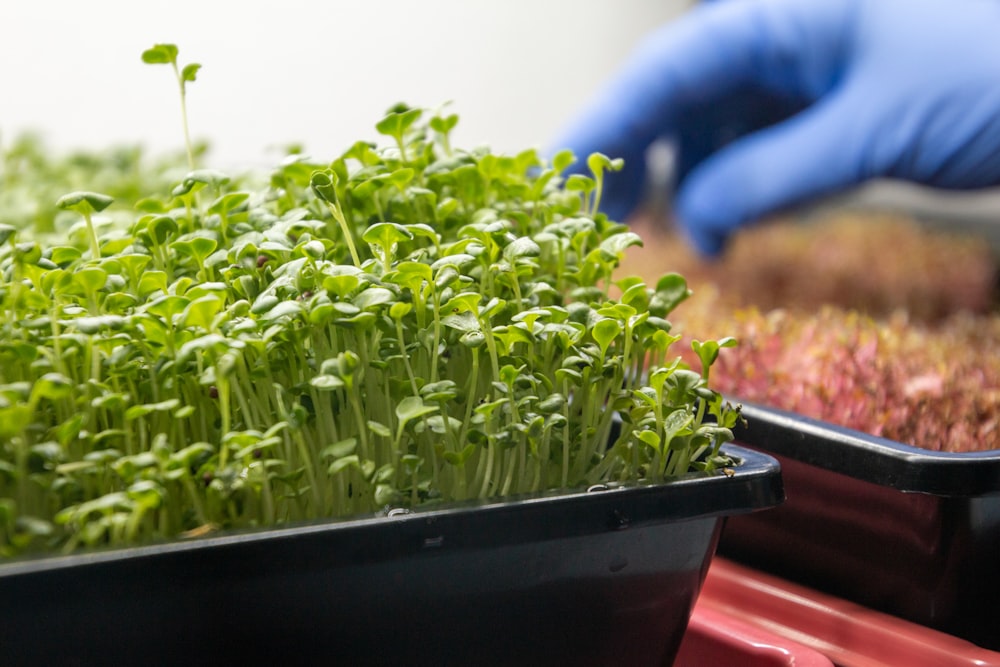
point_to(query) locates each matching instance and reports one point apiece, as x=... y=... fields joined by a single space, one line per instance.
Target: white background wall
x=320 y=73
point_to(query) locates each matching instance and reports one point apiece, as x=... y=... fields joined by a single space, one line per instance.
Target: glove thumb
x=816 y=152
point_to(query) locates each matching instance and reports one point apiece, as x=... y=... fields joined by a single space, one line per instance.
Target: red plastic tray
x=716 y=638
x=847 y=633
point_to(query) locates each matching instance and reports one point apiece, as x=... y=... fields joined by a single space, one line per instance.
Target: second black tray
x=911 y=532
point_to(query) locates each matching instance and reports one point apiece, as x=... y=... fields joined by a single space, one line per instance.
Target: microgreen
x=403 y=325
x=166 y=54
x=86 y=204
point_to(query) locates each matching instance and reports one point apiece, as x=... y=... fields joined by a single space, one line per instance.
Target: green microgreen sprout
x=598 y=163
x=324 y=184
x=401 y=326
x=398 y=121
x=166 y=54
x=86 y=204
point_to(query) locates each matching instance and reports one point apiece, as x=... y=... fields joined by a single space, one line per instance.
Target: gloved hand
x=774 y=102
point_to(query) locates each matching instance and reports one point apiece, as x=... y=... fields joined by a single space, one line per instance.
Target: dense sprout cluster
x=934 y=386
x=404 y=324
x=869 y=321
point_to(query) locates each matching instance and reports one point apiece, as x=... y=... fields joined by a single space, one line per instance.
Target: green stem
x=360 y=424
x=491 y=346
x=338 y=215
x=510 y=457
x=184 y=117
x=406 y=358
x=95 y=246
x=470 y=394
x=565 y=457
x=596 y=197
x=402 y=149
x=222 y=386
x=199 y=506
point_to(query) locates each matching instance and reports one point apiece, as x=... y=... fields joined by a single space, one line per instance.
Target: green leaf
x=229 y=202
x=192 y=454
x=401 y=177
x=162 y=228
x=386 y=234
x=521 y=247
x=708 y=351
x=201 y=312
x=619 y=243
x=445 y=124
x=84 y=203
x=213 y=342
x=92 y=325
x=385 y=494
x=605 y=332
x=343 y=463
x=599 y=162
x=7 y=232
x=202 y=177
x=339 y=449
x=324 y=184
x=137 y=411
x=168 y=306
x=146 y=493
x=411 y=463
x=379 y=429
x=442 y=390
x=675 y=424
x=396 y=123
x=415 y=273
x=160 y=54
x=399 y=310
x=473 y=339
x=326 y=382
x=551 y=403
x=196 y=247
x=462 y=303
x=372 y=297
x=190 y=72
x=562 y=160
x=52 y=386
x=363 y=152
x=580 y=183
x=650 y=438
x=91 y=279
x=464 y=321
x=283 y=310
x=412 y=407
x=341 y=285
x=671 y=290
x=203 y=246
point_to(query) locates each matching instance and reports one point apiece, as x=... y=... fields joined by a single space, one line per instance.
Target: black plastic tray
x=908 y=531
x=587 y=578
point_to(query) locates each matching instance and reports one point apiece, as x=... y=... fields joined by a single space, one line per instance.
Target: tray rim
x=868 y=457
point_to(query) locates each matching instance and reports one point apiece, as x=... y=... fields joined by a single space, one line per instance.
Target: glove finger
x=818 y=152
x=712 y=51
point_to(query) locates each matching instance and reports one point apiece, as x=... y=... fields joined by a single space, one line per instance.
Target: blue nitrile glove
x=774 y=102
